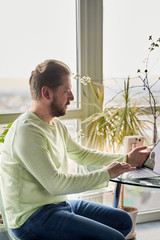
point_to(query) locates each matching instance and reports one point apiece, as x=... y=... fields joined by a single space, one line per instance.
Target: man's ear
x=46 y=93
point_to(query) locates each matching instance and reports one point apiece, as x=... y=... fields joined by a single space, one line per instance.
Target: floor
x=144 y=231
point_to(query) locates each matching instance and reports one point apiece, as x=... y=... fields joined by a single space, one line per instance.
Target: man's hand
x=137 y=156
x=117 y=168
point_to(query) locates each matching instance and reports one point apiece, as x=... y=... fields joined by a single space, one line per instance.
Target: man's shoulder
x=25 y=123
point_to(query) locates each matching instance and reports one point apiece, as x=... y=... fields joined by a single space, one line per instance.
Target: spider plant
x=96 y=125
x=107 y=128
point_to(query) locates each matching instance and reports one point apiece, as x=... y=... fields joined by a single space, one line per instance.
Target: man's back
x=17 y=161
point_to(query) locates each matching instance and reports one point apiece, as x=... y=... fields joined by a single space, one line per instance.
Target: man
x=34 y=169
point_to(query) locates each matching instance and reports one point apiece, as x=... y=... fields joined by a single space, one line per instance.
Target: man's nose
x=71 y=96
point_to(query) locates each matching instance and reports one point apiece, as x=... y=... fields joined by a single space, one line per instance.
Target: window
x=127 y=26
x=126 y=30
x=31 y=32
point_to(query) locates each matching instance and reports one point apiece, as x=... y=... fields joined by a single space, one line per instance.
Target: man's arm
x=31 y=150
x=86 y=157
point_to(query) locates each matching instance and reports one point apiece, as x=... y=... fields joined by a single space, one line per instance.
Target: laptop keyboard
x=139 y=173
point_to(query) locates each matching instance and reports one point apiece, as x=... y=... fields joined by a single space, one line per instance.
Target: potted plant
x=107 y=128
x=144 y=76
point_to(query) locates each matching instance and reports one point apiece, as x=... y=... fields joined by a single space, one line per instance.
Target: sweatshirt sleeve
x=31 y=151
x=85 y=156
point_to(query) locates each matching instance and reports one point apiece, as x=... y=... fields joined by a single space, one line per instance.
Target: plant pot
x=132 y=211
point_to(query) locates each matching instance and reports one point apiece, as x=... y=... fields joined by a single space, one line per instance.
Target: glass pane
x=32 y=31
x=127 y=27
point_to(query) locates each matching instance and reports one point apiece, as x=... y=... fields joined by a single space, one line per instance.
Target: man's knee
x=128 y=224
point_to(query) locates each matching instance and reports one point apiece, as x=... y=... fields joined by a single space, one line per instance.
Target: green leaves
x=125 y=118
x=3 y=135
x=153 y=44
x=108 y=127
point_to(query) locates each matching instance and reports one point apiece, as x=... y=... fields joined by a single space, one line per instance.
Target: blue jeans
x=75 y=220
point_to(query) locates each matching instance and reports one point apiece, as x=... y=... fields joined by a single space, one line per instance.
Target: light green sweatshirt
x=34 y=166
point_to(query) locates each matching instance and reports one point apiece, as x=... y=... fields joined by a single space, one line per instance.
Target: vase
x=132 y=211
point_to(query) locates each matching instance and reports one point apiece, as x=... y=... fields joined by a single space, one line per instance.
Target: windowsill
x=10 y=117
x=147 y=216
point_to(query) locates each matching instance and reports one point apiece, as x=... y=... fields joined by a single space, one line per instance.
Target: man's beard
x=56 y=110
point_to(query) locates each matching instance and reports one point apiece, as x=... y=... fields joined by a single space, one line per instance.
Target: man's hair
x=49 y=73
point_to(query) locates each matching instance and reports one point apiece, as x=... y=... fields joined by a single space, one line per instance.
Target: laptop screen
x=153 y=161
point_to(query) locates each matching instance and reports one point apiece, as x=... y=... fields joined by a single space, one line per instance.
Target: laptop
x=150 y=168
